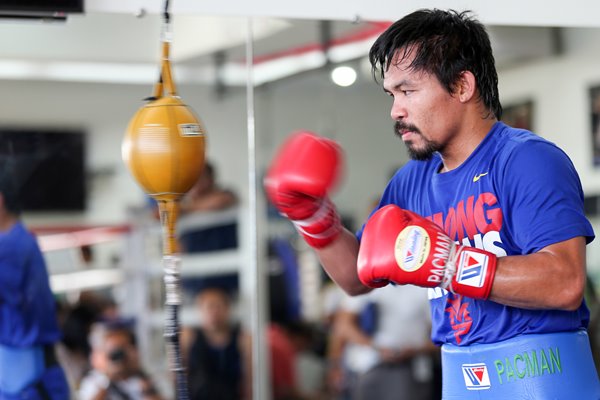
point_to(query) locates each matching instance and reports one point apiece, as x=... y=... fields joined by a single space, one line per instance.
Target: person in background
x=207 y=195
x=208 y=219
x=28 y=320
x=74 y=350
x=217 y=352
x=388 y=356
x=116 y=371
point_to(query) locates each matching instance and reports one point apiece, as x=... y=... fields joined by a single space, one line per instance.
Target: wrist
x=323 y=227
x=474 y=274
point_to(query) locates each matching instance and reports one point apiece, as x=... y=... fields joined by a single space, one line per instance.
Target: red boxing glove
x=402 y=247
x=305 y=169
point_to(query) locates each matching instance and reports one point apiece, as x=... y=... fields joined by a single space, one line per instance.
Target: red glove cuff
x=474 y=273
x=322 y=228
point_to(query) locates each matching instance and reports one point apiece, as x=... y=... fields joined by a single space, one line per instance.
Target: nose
x=398 y=110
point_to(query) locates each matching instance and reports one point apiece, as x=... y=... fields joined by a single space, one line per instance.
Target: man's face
x=205 y=183
x=214 y=307
x=117 y=357
x=426 y=116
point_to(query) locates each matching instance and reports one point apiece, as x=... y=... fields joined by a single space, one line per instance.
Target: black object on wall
x=41 y=6
x=46 y=166
x=591 y=205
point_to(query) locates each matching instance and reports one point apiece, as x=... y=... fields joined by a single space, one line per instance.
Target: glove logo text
x=412 y=247
x=444 y=247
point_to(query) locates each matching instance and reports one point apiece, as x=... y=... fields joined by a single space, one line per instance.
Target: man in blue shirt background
x=28 y=324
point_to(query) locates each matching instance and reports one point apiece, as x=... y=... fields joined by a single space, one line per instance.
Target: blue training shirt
x=27 y=307
x=516 y=194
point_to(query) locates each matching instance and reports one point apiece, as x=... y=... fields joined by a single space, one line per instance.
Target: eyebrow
x=397 y=86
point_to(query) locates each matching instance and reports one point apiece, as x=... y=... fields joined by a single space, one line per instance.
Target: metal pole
x=260 y=370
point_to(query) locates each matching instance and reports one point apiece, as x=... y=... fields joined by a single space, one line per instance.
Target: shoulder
x=515 y=144
x=519 y=153
x=188 y=336
x=18 y=244
x=244 y=341
x=18 y=234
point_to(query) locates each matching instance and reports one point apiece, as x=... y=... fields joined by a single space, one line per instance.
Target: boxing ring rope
x=60 y=238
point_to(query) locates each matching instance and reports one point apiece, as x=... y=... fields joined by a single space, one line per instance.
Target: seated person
x=207 y=195
x=116 y=372
x=388 y=355
x=208 y=198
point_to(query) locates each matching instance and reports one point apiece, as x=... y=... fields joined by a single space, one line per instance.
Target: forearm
x=211 y=202
x=245 y=346
x=100 y=395
x=339 y=261
x=553 y=278
x=347 y=327
x=149 y=391
x=335 y=347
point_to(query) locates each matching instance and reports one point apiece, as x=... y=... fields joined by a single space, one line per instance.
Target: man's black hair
x=209 y=170
x=118 y=325
x=444 y=44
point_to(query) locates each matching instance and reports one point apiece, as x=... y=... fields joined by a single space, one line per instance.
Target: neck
x=466 y=141
x=217 y=330
x=7 y=221
x=218 y=335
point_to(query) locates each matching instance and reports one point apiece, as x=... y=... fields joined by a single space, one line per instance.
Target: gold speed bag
x=164 y=148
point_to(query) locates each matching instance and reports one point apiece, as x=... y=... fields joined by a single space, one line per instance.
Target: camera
x=117 y=355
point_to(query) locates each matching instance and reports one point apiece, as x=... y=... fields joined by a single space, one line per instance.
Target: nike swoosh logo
x=477 y=177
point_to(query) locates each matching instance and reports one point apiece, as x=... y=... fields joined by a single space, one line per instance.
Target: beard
x=420 y=154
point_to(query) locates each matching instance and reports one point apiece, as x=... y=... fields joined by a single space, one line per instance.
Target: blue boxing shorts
x=528 y=367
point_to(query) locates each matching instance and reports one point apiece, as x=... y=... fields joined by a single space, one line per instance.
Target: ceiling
x=574 y=13
x=122 y=47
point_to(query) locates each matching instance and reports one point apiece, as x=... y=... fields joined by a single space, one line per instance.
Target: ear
x=466 y=87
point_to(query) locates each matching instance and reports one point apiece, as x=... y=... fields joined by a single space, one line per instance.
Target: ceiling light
x=343 y=76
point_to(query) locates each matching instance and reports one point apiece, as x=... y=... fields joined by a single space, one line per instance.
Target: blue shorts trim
x=541 y=366
x=52 y=385
x=19 y=367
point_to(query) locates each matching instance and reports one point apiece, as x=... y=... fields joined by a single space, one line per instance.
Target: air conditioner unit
x=40 y=9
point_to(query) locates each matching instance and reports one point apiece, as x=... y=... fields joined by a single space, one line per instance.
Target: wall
x=559 y=88
x=357 y=116
x=103 y=111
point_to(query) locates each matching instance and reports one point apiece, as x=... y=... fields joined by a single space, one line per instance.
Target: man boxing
x=489 y=217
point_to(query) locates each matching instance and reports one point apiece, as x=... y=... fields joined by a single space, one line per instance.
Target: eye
x=407 y=92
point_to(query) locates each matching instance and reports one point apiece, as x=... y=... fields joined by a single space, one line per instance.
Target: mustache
x=400 y=126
